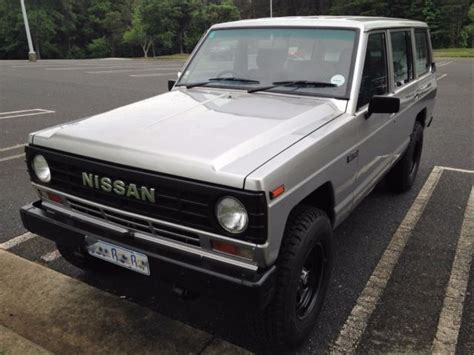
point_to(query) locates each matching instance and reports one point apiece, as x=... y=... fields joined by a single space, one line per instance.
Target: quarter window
x=402 y=57
x=422 y=56
x=374 y=77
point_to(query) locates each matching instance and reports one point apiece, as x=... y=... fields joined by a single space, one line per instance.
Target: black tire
x=402 y=176
x=303 y=273
x=79 y=257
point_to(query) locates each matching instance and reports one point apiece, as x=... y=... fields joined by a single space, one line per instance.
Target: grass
x=183 y=56
x=454 y=52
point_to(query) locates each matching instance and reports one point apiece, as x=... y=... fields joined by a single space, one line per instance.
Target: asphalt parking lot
x=401 y=282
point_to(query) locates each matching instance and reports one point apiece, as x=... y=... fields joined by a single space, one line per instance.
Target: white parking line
x=151 y=75
x=17 y=240
x=451 y=315
x=12 y=157
x=132 y=70
x=51 y=256
x=11 y=148
x=442 y=64
x=95 y=66
x=457 y=169
x=356 y=323
x=441 y=77
x=15 y=112
x=24 y=113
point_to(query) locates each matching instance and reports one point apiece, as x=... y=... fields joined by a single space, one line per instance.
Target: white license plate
x=120 y=256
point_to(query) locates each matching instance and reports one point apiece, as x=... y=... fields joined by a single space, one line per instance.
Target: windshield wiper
x=297 y=83
x=212 y=80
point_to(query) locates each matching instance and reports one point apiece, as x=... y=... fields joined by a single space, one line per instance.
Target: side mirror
x=433 y=67
x=171 y=84
x=383 y=104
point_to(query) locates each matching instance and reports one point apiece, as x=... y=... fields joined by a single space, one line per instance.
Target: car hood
x=203 y=134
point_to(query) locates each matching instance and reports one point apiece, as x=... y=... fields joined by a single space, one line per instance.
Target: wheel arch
x=322 y=198
x=421 y=117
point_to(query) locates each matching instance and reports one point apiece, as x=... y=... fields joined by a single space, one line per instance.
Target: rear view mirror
x=383 y=104
x=171 y=84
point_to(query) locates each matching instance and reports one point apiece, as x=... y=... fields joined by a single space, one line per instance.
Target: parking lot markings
x=451 y=315
x=11 y=148
x=12 y=157
x=24 y=113
x=442 y=64
x=133 y=70
x=51 y=256
x=151 y=75
x=17 y=240
x=356 y=323
x=441 y=77
x=96 y=66
x=458 y=170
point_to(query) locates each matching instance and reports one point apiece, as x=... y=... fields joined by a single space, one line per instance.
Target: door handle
x=423 y=89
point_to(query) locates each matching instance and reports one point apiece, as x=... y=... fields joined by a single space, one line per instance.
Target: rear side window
x=374 y=77
x=402 y=57
x=422 y=52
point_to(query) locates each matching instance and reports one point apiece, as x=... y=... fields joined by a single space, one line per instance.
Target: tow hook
x=184 y=293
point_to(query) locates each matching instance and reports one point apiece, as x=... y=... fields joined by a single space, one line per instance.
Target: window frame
x=428 y=47
x=409 y=30
x=388 y=67
x=350 y=81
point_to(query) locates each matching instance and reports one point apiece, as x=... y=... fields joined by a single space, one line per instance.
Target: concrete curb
x=12 y=344
x=64 y=315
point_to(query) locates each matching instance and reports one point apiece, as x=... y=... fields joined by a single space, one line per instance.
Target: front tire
x=402 y=176
x=304 y=268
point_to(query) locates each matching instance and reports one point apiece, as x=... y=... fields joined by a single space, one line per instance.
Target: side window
x=402 y=57
x=374 y=77
x=422 y=52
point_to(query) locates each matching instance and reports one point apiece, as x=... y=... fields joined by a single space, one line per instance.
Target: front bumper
x=178 y=268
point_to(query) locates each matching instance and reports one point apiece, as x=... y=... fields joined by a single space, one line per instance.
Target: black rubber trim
x=176 y=267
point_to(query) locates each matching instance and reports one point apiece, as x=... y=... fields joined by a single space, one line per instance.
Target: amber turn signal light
x=54 y=197
x=231 y=249
x=277 y=192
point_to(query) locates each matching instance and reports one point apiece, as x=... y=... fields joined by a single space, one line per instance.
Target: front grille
x=137 y=224
x=178 y=200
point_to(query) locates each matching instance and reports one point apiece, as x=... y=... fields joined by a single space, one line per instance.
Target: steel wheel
x=310 y=281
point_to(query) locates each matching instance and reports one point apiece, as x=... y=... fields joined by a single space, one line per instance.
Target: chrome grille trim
x=139 y=225
x=201 y=233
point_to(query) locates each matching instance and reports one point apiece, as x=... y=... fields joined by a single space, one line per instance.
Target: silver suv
x=234 y=180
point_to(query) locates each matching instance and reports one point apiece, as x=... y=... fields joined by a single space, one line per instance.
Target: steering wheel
x=227 y=71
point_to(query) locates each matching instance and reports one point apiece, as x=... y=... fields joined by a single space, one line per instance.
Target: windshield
x=304 y=60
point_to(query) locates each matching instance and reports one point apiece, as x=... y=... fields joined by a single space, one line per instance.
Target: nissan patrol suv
x=235 y=179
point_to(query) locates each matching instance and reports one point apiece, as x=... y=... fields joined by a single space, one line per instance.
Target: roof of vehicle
x=364 y=23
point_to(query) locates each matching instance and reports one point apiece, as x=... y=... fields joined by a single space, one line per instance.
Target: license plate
x=126 y=258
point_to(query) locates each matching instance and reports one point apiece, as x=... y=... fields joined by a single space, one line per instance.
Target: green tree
x=182 y=12
x=158 y=17
x=136 y=34
x=469 y=28
x=432 y=16
x=109 y=19
x=12 y=34
x=359 y=7
x=207 y=15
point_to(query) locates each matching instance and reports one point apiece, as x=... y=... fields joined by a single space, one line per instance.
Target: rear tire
x=79 y=257
x=303 y=273
x=402 y=176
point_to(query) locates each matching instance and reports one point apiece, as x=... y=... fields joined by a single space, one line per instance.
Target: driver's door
x=377 y=143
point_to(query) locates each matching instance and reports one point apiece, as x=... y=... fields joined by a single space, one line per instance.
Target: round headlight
x=41 y=168
x=232 y=215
